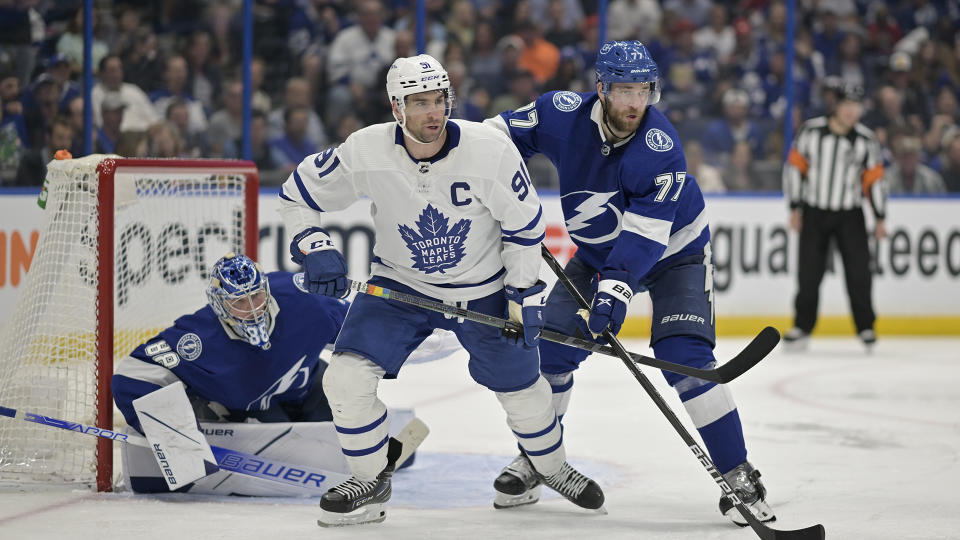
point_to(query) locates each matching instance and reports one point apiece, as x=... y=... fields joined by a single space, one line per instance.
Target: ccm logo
x=682 y=317
x=429 y=78
x=317 y=244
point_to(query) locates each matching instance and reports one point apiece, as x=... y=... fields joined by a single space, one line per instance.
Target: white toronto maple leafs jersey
x=457 y=226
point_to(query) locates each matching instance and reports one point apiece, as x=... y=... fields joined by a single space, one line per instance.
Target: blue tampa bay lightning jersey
x=629 y=206
x=215 y=365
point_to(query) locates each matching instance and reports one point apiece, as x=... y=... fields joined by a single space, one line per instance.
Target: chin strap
x=403 y=123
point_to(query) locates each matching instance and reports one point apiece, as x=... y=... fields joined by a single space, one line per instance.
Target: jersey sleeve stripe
x=336 y=161
x=657 y=230
x=524 y=241
x=687 y=234
x=304 y=193
x=533 y=223
x=284 y=196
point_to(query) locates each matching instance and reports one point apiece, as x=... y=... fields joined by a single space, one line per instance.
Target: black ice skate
x=518 y=484
x=869 y=338
x=356 y=501
x=796 y=340
x=576 y=487
x=745 y=481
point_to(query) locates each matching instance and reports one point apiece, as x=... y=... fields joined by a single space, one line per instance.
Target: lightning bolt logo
x=594 y=205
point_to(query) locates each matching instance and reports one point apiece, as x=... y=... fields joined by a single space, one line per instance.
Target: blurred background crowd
x=168 y=72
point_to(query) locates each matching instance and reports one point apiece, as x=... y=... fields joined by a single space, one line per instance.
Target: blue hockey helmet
x=239 y=294
x=627 y=62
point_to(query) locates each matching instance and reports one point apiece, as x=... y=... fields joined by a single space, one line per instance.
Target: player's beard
x=618 y=119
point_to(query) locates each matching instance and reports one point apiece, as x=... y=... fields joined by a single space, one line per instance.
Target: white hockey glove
x=609 y=307
x=170 y=426
x=526 y=307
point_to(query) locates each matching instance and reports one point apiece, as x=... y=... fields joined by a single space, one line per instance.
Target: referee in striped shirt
x=833 y=167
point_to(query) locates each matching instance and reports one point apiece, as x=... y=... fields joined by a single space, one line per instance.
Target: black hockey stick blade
x=751 y=355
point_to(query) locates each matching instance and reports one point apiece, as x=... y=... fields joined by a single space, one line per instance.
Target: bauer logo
x=567 y=101
x=189 y=347
x=658 y=141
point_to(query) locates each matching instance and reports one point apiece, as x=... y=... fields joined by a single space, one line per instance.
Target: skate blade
x=504 y=500
x=760 y=510
x=602 y=511
x=371 y=513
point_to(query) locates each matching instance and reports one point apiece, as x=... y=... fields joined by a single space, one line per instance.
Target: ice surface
x=866 y=445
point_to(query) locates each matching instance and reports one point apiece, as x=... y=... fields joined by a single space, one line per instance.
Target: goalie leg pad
x=531 y=416
x=350 y=383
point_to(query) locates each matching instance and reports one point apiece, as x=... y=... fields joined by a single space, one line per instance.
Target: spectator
x=260 y=151
x=133 y=144
x=139 y=113
x=175 y=87
x=357 y=54
x=708 y=177
x=717 y=37
x=696 y=11
x=901 y=76
x=11 y=147
x=462 y=22
x=485 y=67
x=522 y=90
x=194 y=143
x=70 y=43
x=908 y=174
x=38 y=118
x=33 y=164
x=634 y=19
x=11 y=109
x=164 y=141
x=290 y=149
x=57 y=72
x=227 y=123
x=112 y=110
x=258 y=98
x=562 y=30
x=951 y=162
x=538 y=56
x=297 y=94
x=720 y=136
x=142 y=62
x=74 y=114
x=204 y=79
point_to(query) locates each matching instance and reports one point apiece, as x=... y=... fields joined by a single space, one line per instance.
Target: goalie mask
x=413 y=75
x=239 y=294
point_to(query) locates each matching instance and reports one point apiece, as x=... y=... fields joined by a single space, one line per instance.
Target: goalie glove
x=526 y=307
x=324 y=268
x=609 y=307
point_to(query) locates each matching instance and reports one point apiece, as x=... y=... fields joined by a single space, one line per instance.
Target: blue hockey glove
x=324 y=269
x=609 y=307
x=526 y=307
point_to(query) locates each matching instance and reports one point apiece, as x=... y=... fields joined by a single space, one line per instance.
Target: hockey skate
x=869 y=339
x=576 y=488
x=745 y=481
x=356 y=501
x=518 y=484
x=796 y=340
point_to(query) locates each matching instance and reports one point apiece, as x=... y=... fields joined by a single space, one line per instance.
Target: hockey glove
x=526 y=307
x=609 y=307
x=324 y=268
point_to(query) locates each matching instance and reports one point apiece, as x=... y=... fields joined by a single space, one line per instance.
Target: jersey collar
x=453 y=140
x=596 y=114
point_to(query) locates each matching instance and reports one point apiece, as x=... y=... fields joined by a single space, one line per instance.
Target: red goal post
x=91 y=297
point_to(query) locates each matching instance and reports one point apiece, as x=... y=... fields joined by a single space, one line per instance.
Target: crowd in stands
x=168 y=76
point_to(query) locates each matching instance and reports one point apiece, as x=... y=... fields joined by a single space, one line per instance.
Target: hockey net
x=125 y=247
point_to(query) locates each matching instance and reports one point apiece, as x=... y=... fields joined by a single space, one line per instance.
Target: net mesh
x=171 y=223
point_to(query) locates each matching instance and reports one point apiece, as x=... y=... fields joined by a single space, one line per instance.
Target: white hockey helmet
x=415 y=74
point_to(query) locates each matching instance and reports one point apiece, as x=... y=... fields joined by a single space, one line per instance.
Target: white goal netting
x=170 y=221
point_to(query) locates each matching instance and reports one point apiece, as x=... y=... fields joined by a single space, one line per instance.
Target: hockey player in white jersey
x=457 y=220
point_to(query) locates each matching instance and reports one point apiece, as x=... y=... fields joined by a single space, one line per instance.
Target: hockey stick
x=815 y=532
x=233 y=460
x=748 y=357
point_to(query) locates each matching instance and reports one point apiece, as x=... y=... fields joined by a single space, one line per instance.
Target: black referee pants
x=848 y=229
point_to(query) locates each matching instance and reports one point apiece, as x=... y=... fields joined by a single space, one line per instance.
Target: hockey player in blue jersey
x=638 y=221
x=241 y=356
x=252 y=354
x=456 y=220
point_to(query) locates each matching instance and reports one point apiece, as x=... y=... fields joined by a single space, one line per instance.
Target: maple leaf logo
x=433 y=246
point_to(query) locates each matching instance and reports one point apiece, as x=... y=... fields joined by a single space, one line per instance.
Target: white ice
x=866 y=445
